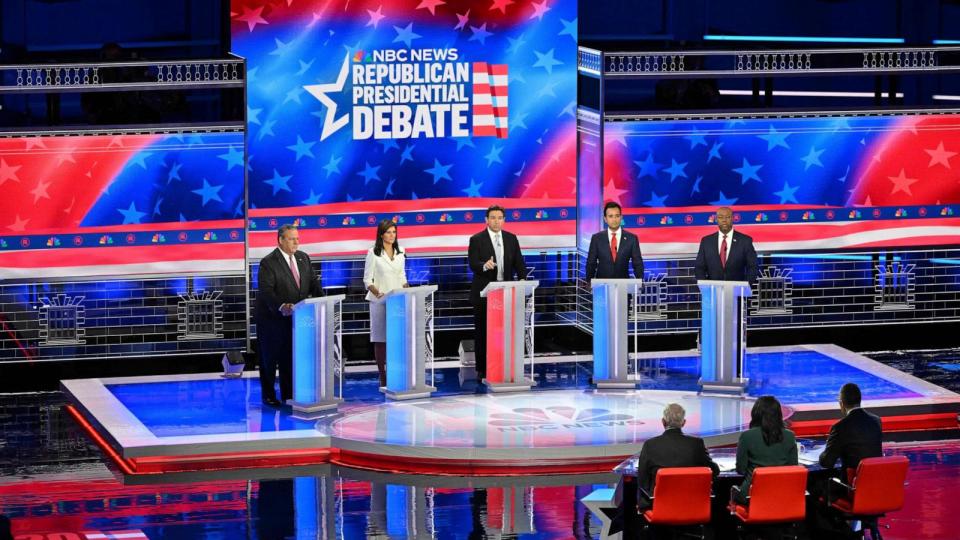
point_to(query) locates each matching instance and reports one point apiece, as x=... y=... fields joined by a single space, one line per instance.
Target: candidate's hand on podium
x=490 y=264
x=286 y=310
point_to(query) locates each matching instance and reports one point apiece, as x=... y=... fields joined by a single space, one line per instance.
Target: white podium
x=409 y=341
x=722 y=335
x=509 y=334
x=317 y=354
x=611 y=328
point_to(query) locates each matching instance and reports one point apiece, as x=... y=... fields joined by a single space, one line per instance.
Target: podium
x=409 y=341
x=509 y=334
x=610 y=330
x=722 y=336
x=317 y=354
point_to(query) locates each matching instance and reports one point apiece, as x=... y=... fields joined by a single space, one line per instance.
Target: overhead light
x=802 y=39
x=806 y=93
x=945 y=97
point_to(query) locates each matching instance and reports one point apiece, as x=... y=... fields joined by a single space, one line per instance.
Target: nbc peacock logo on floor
x=559 y=417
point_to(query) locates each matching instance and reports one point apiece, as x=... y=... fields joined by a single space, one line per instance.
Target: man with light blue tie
x=612 y=251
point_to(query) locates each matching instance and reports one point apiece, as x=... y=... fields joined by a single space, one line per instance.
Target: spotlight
x=233 y=363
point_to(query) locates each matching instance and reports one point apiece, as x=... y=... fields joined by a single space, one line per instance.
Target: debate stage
x=181 y=423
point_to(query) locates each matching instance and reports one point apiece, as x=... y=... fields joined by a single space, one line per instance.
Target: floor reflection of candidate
x=383 y=271
x=285 y=277
x=726 y=255
x=612 y=251
x=493 y=255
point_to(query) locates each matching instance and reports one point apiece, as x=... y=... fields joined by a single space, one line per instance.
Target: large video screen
x=423 y=112
x=121 y=205
x=794 y=184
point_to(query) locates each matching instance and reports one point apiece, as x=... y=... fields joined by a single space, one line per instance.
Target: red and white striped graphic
x=490 y=100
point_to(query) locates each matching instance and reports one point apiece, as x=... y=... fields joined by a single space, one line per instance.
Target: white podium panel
x=409 y=341
x=722 y=335
x=317 y=354
x=610 y=330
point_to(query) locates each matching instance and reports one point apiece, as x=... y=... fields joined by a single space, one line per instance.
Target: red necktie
x=295 y=271
x=613 y=247
x=723 y=252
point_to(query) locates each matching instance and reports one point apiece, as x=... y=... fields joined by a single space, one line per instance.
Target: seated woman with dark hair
x=768 y=443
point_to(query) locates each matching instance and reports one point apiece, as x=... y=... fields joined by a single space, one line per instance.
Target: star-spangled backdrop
x=134 y=204
x=431 y=184
x=811 y=183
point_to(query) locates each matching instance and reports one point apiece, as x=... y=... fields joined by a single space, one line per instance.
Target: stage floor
x=196 y=422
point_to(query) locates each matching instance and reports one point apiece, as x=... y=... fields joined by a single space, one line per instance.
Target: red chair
x=777 y=495
x=876 y=488
x=681 y=497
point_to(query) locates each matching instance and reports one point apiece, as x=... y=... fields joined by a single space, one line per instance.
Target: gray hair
x=283 y=229
x=673 y=415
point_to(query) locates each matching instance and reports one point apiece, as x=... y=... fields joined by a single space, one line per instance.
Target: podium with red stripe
x=509 y=334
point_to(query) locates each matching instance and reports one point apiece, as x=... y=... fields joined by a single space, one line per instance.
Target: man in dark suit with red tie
x=285 y=277
x=856 y=436
x=611 y=251
x=726 y=255
x=493 y=255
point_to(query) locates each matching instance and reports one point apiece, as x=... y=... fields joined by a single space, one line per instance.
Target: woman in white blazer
x=383 y=271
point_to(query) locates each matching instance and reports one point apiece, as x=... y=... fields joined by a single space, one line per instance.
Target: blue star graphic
x=439 y=172
x=266 y=129
x=278 y=182
x=389 y=190
x=406 y=35
x=182 y=219
x=515 y=44
x=787 y=194
x=209 y=193
x=812 y=158
x=696 y=186
x=140 y=158
x=388 y=144
x=464 y=141
x=253 y=115
x=238 y=211
x=696 y=138
x=547 y=89
x=520 y=120
x=648 y=167
x=480 y=34
x=304 y=66
x=724 y=201
x=174 y=173
x=715 y=151
x=302 y=148
x=281 y=47
x=546 y=61
x=313 y=199
x=369 y=173
x=232 y=157
x=473 y=190
x=676 y=169
x=656 y=201
x=156 y=207
x=407 y=154
x=569 y=28
x=333 y=166
x=748 y=172
x=774 y=139
x=493 y=155
x=294 y=95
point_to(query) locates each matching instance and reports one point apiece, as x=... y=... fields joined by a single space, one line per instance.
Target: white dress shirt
x=618 y=233
x=729 y=242
x=496 y=238
x=384 y=273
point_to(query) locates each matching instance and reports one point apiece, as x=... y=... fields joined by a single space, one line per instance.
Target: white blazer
x=387 y=275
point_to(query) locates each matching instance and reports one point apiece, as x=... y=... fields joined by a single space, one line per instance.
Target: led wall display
x=794 y=184
x=421 y=111
x=121 y=205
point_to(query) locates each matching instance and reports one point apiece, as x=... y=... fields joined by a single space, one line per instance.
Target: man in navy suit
x=612 y=250
x=285 y=277
x=494 y=255
x=856 y=436
x=726 y=255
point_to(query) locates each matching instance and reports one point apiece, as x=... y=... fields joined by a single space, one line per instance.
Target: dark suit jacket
x=741 y=263
x=480 y=251
x=856 y=436
x=275 y=287
x=601 y=265
x=670 y=449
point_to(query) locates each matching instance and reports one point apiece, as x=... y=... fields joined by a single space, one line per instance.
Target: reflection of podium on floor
x=317 y=354
x=509 y=334
x=722 y=340
x=409 y=341
x=610 y=330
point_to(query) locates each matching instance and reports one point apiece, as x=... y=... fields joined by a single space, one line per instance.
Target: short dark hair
x=283 y=229
x=850 y=395
x=495 y=208
x=609 y=205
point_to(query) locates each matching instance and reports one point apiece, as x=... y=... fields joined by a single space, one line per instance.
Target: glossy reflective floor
x=55 y=484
